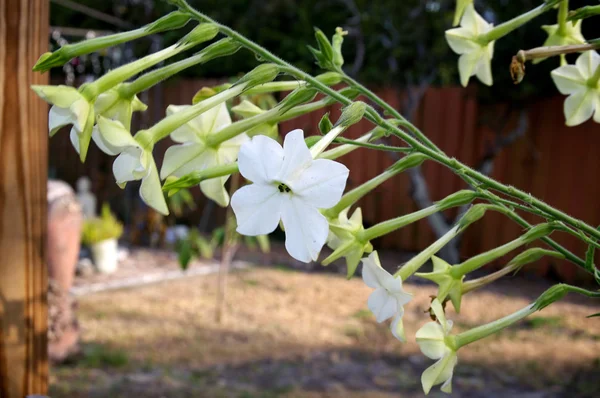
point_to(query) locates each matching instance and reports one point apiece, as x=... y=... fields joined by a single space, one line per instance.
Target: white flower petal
x=587 y=63
x=186 y=158
x=467 y=64
x=439 y=372
x=430 y=338
x=382 y=305
x=322 y=183
x=214 y=189
x=296 y=157
x=579 y=107
x=306 y=230
x=397 y=326
x=74 y=136
x=461 y=41
x=125 y=165
x=373 y=274
x=115 y=136
x=190 y=131
x=483 y=70
x=58 y=118
x=260 y=159
x=568 y=79
x=151 y=190
x=229 y=150
x=104 y=145
x=61 y=96
x=257 y=209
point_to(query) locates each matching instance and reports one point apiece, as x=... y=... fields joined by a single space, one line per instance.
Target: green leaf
x=593 y=315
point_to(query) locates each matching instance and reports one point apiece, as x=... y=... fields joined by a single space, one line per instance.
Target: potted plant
x=100 y=234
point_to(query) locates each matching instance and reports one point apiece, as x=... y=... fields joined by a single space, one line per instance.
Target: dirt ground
x=295 y=334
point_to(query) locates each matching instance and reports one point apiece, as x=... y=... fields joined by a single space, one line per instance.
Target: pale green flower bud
x=459 y=198
x=352 y=114
x=263 y=73
x=201 y=33
x=324 y=55
x=336 y=41
x=67 y=52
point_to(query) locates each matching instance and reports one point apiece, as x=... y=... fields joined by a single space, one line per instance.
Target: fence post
x=23 y=180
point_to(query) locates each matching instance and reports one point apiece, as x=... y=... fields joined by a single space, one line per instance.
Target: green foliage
x=179 y=201
x=101 y=228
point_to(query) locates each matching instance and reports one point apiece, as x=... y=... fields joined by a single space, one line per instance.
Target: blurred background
x=279 y=328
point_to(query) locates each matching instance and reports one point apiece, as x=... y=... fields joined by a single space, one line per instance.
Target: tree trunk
x=23 y=179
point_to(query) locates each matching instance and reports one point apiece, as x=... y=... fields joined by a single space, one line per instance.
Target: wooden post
x=23 y=180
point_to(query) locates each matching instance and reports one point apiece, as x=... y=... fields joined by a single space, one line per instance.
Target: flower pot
x=105 y=255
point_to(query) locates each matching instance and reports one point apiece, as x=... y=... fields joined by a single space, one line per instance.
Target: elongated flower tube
x=413 y=265
x=288 y=185
x=389 y=298
x=173 y=20
x=434 y=342
x=349 y=239
x=76 y=107
x=580 y=83
x=450 y=278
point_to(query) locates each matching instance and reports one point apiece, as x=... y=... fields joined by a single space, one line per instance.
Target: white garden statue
x=86 y=198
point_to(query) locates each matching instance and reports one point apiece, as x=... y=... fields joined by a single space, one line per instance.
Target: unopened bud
x=222 y=48
x=551 y=295
x=173 y=20
x=352 y=114
x=409 y=161
x=324 y=54
x=538 y=231
x=329 y=78
x=459 y=198
x=263 y=73
x=201 y=33
x=472 y=215
x=533 y=255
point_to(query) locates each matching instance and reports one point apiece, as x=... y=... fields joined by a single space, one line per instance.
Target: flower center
x=283 y=188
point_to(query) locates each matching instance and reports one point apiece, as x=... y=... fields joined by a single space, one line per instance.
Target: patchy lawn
x=292 y=334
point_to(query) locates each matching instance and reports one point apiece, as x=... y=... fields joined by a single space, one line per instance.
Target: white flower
x=389 y=297
x=135 y=162
x=583 y=99
x=112 y=105
x=459 y=10
x=69 y=107
x=475 y=55
x=290 y=186
x=194 y=154
x=431 y=339
x=247 y=109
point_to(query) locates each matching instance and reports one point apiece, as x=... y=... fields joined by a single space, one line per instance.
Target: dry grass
x=276 y=314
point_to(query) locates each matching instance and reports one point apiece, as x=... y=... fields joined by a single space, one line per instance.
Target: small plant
x=101 y=228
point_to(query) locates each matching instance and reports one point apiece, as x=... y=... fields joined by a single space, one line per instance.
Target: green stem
x=347 y=147
x=593 y=81
x=392 y=111
x=563 y=11
x=515 y=23
x=459 y=168
x=237 y=128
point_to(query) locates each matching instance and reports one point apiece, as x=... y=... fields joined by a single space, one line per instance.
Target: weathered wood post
x=23 y=179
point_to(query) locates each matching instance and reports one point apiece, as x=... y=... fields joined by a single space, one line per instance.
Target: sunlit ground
x=291 y=334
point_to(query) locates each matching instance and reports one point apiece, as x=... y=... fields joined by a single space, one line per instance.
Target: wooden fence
x=555 y=163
